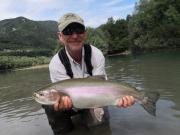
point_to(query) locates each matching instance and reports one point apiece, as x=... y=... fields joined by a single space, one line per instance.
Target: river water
x=20 y=115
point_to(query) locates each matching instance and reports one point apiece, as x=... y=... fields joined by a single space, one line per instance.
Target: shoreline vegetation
x=125 y=53
x=22 y=62
x=16 y=63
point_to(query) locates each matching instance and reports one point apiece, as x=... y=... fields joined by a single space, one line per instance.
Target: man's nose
x=74 y=35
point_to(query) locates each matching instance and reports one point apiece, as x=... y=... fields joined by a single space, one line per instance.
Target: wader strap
x=65 y=61
x=87 y=58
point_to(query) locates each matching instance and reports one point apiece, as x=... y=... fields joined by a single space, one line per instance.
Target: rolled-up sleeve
x=98 y=62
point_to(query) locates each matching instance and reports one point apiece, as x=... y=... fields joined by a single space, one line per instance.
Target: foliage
x=97 y=38
x=117 y=35
x=12 y=62
x=155 y=24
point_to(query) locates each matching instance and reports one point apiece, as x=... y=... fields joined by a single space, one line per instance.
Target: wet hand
x=126 y=101
x=63 y=103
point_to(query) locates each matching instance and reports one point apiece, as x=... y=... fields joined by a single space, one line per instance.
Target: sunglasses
x=73 y=29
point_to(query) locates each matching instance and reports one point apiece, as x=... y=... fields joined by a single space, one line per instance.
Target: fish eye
x=41 y=94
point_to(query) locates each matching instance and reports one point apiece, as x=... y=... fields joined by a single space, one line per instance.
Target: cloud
x=94 y=12
x=112 y=2
x=28 y=8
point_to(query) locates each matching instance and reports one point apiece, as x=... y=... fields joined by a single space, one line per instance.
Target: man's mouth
x=75 y=42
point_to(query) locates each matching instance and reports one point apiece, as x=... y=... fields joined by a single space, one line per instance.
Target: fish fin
x=102 y=77
x=149 y=102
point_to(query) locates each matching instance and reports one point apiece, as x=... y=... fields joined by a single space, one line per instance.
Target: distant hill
x=23 y=34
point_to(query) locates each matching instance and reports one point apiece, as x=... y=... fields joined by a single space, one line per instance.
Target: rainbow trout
x=93 y=92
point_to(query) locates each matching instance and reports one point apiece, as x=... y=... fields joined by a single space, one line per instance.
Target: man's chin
x=75 y=47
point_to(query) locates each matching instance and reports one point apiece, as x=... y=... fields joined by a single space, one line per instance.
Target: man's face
x=73 y=36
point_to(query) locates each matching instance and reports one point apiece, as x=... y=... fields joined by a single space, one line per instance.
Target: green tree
x=155 y=24
x=98 y=38
x=117 y=35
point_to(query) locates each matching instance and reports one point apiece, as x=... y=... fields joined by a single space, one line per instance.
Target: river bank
x=125 y=53
x=20 y=62
x=32 y=67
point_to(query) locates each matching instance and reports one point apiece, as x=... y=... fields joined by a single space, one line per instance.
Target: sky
x=94 y=12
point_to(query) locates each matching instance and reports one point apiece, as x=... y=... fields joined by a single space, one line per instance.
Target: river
x=21 y=115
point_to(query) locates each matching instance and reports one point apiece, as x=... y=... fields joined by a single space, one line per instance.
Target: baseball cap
x=67 y=19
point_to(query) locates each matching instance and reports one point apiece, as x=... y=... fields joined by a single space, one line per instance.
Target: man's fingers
x=67 y=102
x=61 y=103
x=56 y=105
x=126 y=101
x=132 y=100
x=129 y=100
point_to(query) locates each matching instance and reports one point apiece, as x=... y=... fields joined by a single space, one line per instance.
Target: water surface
x=19 y=114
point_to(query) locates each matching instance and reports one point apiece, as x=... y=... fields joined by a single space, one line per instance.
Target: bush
x=12 y=62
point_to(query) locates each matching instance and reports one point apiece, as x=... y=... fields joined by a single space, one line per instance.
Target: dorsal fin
x=101 y=77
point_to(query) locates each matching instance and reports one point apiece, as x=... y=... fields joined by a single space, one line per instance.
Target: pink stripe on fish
x=92 y=90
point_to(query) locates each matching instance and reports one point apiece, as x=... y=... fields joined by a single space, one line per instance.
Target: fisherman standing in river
x=76 y=60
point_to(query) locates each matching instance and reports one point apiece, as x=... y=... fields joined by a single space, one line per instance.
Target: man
x=76 y=61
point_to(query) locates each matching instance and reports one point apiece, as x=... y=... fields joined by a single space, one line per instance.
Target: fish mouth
x=34 y=95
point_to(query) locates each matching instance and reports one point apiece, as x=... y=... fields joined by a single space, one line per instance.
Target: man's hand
x=63 y=102
x=126 y=101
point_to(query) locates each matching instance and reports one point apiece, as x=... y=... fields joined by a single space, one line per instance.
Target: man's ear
x=59 y=35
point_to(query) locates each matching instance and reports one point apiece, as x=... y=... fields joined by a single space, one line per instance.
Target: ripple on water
x=19 y=109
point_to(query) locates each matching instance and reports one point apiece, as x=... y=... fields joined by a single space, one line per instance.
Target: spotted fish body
x=94 y=92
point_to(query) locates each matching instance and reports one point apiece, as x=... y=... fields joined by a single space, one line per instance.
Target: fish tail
x=149 y=102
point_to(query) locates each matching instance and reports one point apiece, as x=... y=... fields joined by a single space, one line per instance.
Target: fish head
x=46 y=97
